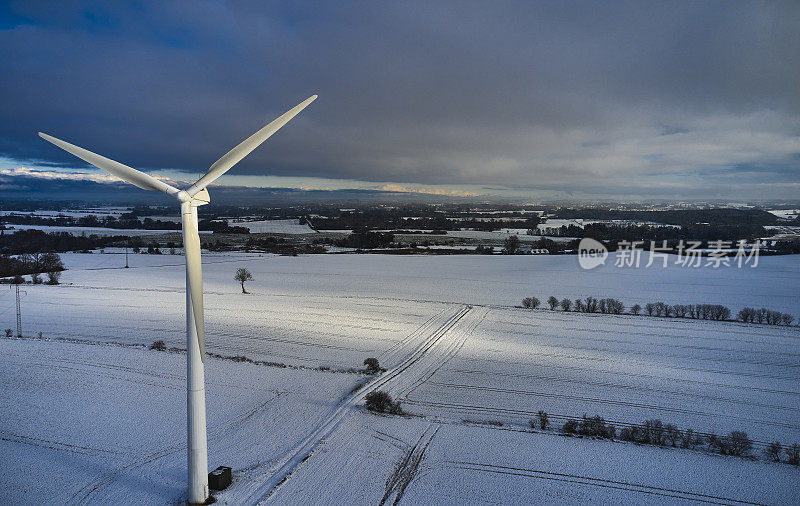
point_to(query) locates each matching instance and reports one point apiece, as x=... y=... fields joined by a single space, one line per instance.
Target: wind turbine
x=190 y=198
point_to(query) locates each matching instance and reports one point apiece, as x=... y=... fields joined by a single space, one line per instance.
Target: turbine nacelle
x=200 y=198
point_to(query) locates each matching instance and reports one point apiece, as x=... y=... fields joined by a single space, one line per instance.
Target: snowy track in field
x=573 y=480
x=431 y=351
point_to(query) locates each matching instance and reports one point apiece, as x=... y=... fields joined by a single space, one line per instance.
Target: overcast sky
x=618 y=100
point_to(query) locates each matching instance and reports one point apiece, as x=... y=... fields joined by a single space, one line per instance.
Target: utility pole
x=19 y=314
x=126 y=252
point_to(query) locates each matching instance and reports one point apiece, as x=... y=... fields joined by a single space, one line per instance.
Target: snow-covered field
x=708 y=376
x=292 y=227
x=786 y=214
x=479 y=464
x=106 y=424
x=456 y=349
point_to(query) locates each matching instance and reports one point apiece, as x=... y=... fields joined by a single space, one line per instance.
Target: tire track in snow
x=534 y=393
x=407 y=468
x=259 y=489
x=90 y=492
x=596 y=482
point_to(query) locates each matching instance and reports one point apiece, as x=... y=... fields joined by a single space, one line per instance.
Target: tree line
x=34 y=264
x=715 y=312
x=657 y=433
x=630 y=232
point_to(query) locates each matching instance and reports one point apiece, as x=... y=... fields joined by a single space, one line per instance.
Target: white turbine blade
x=233 y=156
x=194 y=271
x=129 y=174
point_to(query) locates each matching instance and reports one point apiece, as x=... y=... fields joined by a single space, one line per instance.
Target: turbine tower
x=189 y=199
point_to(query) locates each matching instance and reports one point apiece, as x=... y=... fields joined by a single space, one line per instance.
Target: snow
x=708 y=376
x=292 y=227
x=786 y=214
x=106 y=424
x=469 y=464
x=108 y=419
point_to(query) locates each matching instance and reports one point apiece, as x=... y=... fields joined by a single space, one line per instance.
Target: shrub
x=570 y=427
x=373 y=366
x=773 y=451
x=9 y=333
x=379 y=401
x=566 y=304
x=596 y=426
x=159 y=346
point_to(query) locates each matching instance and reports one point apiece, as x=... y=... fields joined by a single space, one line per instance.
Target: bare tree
x=635 y=309
x=242 y=275
x=53 y=277
x=544 y=420
x=553 y=303
x=773 y=451
x=793 y=454
x=687 y=439
x=737 y=443
x=671 y=434
x=566 y=304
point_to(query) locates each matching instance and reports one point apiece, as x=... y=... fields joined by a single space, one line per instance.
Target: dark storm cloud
x=497 y=93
